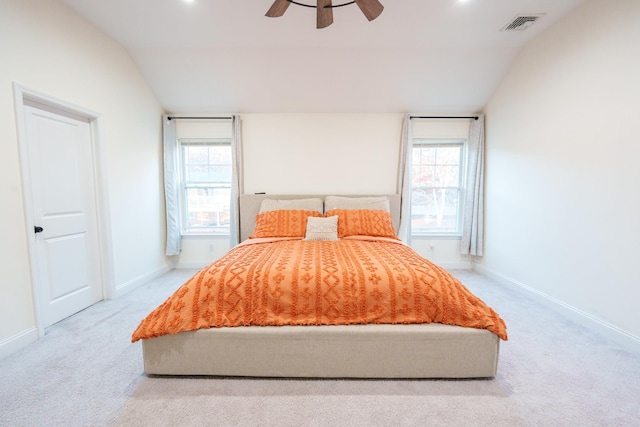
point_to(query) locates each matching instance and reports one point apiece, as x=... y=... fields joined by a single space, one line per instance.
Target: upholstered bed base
x=349 y=351
x=353 y=351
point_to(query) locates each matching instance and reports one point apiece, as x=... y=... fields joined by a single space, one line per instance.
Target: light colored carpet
x=85 y=372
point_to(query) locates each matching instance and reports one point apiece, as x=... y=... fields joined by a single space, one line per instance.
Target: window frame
x=185 y=231
x=462 y=178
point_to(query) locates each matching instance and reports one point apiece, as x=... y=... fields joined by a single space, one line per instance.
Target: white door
x=64 y=210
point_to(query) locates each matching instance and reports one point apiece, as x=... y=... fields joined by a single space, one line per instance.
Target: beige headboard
x=250 y=207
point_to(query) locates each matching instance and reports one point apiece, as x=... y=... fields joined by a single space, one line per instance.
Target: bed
x=267 y=329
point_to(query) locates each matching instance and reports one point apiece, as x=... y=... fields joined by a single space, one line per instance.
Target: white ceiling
x=225 y=56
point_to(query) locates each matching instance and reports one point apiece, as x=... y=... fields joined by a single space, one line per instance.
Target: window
x=437 y=174
x=206 y=185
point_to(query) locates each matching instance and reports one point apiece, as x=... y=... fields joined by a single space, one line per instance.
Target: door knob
x=37 y=229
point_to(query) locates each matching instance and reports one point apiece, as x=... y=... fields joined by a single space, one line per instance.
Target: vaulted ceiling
x=225 y=56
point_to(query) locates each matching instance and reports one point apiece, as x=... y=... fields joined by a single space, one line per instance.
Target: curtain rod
x=196 y=118
x=444 y=117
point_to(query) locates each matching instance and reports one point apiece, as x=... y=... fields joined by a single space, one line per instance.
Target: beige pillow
x=376 y=203
x=311 y=204
x=322 y=228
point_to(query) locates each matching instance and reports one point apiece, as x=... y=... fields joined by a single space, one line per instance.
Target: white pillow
x=322 y=228
x=312 y=204
x=371 y=203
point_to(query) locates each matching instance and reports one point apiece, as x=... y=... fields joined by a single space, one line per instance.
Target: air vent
x=522 y=22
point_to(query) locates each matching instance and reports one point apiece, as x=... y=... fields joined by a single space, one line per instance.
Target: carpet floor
x=86 y=372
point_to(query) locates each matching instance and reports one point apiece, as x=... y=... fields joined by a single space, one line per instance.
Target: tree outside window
x=436 y=186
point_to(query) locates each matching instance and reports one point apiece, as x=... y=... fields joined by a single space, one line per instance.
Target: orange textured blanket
x=296 y=282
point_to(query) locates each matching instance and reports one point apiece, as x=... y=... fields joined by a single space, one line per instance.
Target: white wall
x=321 y=153
x=562 y=168
x=46 y=47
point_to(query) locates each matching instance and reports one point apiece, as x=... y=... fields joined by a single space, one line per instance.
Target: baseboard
x=141 y=280
x=607 y=330
x=17 y=342
x=192 y=265
x=455 y=265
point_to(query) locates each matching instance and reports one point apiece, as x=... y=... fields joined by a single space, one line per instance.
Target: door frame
x=24 y=95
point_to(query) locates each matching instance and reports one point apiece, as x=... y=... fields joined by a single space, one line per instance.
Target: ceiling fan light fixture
x=324 y=9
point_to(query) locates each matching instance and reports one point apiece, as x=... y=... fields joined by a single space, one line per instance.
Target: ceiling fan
x=324 y=15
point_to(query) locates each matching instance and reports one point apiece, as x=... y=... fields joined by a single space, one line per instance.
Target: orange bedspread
x=295 y=282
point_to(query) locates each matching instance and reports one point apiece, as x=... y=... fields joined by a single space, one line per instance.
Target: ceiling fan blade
x=371 y=8
x=278 y=8
x=324 y=13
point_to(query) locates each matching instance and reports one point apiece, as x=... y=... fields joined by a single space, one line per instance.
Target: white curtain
x=473 y=221
x=171 y=186
x=404 y=181
x=237 y=181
